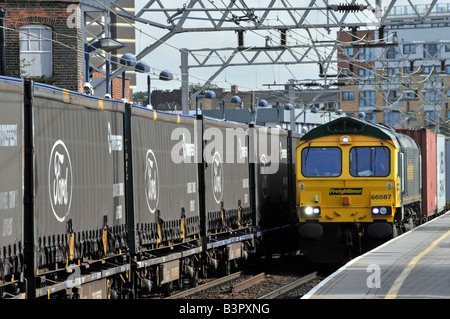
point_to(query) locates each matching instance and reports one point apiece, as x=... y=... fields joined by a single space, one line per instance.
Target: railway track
x=205 y=286
x=289 y=287
x=285 y=278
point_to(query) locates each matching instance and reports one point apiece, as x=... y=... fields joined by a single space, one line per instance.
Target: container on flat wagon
x=165 y=178
x=441 y=172
x=427 y=142
x=227 y=176
x=79 y=176
x=11 y=174
x=272 y=177
x=447 y=171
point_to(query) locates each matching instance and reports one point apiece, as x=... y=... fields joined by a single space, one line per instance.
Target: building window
x=431 y=51
x=393 y=98
x=431 y=69
x=366 y=75
x=347 y=52
x=392 y=118
x=432 y=96
x=430 y=118
x=366 y=54
x=35 y=50
x=392 y=73
x=392 y=53
x=348 y=95
x=409 y=48
x=367 y=98
x=371 y=116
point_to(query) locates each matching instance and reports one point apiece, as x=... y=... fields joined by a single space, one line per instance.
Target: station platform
x=413 y=265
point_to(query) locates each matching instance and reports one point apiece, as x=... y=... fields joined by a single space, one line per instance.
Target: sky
x=168 y=57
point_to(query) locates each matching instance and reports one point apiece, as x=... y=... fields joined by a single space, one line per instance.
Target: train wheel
x=226 y=268
x=394 y=231
x=194 y=279
x=168 y=289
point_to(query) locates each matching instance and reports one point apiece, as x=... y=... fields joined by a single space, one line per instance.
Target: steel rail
x=205 y=286
x=289 y=286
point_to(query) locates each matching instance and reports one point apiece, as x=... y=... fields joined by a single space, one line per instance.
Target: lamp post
x=289 y=107
x=106 y=44
x=234 y=99
x=314 y=109
x=165 y=75
x=128 y=60
x=207 y=95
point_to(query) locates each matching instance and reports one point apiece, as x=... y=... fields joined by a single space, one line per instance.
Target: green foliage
x=140 y=98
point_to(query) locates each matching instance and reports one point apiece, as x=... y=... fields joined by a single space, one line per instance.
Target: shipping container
x=78 y=176
x=226 y=176
x=441 y=172
x=447 y=170
x=11 y=172
x=427 y=141
x=295 y=140
x=272 y=177
x=165 y=178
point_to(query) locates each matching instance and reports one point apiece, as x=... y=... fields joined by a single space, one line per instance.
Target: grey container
x=272 y=177
x=79 y=175
x=165 y=178
x=447 y=171
x=11 y=173
x=227 y=176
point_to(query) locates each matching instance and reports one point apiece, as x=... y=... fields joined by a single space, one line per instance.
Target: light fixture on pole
x=165 y=75
x=106 y=44
x=234 y=99
x=128 y=60
x=207 y=95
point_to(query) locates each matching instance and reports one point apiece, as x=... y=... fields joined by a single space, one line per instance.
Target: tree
x=140 y=98
x=196 y=87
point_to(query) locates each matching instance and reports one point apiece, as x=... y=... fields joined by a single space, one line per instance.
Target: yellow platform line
x=392 y=294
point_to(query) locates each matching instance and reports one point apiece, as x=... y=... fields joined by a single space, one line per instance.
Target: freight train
x=103 y=199
x=360 y=183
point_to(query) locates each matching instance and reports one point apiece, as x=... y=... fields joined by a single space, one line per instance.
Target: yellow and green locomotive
x=358 y=184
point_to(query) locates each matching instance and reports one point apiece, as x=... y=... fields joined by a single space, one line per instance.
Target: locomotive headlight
x=345 y=139
x=310 y=211
x=381 y=210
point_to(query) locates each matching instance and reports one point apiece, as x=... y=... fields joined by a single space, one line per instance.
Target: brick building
x=43 y=42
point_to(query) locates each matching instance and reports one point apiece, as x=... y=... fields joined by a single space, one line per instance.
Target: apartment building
x=400 y=75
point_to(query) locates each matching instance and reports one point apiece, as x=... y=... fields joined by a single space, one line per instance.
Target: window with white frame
x=36 y=50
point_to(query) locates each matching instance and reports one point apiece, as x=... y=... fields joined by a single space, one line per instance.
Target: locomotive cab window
x=321 y=162
x=369 y=161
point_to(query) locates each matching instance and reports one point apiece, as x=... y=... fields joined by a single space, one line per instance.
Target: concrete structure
x=325 y=103
x=272 y=117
